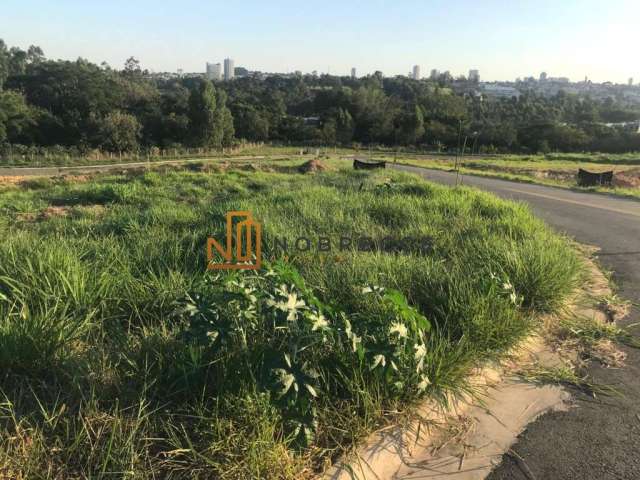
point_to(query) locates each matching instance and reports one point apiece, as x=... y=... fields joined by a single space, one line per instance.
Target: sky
x=502 y=39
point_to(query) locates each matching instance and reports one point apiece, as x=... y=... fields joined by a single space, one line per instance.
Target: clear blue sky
x=502 y=39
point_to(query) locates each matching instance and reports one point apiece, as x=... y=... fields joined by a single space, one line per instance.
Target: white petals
x=399 y=329
x=291 y=305
x=372 y=289
x=378 y=360
x=318 y=321
x=424 y=383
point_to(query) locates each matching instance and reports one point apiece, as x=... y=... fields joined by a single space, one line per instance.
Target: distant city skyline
x=571 y=39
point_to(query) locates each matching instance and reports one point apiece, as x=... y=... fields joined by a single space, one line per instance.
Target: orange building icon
x=247 y=254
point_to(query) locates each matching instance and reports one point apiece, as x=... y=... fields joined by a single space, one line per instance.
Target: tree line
x=81 y=105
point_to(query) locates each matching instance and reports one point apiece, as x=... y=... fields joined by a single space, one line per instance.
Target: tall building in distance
x=474 y=76
x=354 y=73
x=434 y=74
x=214 y=71
x=631 y=81
x=416 y=72
x=229 y=69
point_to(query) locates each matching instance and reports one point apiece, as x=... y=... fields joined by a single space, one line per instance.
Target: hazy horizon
x=574 y=39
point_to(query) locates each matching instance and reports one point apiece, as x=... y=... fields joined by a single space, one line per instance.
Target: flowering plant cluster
x=272 y=330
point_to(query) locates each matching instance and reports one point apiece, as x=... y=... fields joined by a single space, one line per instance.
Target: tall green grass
x=101 y=375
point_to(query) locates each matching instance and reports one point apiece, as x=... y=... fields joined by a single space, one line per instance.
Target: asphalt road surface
x=600 y=439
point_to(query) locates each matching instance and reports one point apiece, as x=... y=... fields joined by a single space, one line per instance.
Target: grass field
x=558 y=170
x=120 y=356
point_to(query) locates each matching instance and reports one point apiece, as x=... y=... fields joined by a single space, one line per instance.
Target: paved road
x=599 y=439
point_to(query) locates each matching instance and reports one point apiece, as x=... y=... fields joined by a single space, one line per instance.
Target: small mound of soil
x=50 y=212
x=11 y=180
x=559 y=175
x=312 y=166
x=248 y=167
x=627 y=179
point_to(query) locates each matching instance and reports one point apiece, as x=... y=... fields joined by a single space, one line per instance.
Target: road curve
x=600 y=439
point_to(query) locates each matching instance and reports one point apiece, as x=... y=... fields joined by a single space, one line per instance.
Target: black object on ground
x=361 y=165
x=591 y=179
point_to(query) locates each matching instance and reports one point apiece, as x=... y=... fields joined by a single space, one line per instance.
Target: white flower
x=355 y=339
x=347 y=327
x=507 y=286
x=419 y=354
x=283 y=290
x=424 y=383
x=378 y=360
x=493 y=276
x=287 y=380
x=318 y=321
x=373 y=289
x=249 y=293
x=514 y=297
x=311 y=390
x=399 y=329
x=291 y=306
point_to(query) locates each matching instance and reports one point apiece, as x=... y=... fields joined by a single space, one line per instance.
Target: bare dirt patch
x=558 y=175
x=627 y=179
x=12 y=180
x=54 y=211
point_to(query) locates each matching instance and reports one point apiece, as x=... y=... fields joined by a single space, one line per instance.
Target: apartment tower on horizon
x=229 y=69
x=214 y=71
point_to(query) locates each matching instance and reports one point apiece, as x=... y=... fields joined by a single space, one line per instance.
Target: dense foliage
x=82 y=105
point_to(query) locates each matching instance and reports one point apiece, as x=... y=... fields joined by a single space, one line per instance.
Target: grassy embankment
x=558 y=170
x=121 y=357
x=169 y=154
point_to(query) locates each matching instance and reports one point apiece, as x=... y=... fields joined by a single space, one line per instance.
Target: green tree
x=35 y=55
x=74 y=94
x=132 y=66
x=251 y=123
x=328 y=131
x=411 y=126
x=204 y=125
x=119 y=132
x=225 y=119
x=344 y=126
x=15 y=116
x=211 y=122
x=4 y=63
